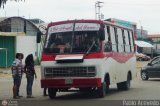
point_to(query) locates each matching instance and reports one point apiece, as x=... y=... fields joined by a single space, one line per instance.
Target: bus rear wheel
x=125 y=85
x=52 y=93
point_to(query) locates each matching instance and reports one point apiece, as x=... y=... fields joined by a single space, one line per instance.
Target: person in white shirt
x=17 y=68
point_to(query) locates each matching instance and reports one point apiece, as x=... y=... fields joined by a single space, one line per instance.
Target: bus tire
x=52 y=93
x=125 y=85
x=102 y=90
x=107 y=80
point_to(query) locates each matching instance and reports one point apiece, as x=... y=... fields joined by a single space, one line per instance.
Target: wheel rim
x=144 y=75
x=104 y=88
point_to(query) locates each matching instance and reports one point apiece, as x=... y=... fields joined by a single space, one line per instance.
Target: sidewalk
x=6 y=82
x=5 y=72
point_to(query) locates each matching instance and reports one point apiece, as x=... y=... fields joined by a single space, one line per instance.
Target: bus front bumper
x=69 y=83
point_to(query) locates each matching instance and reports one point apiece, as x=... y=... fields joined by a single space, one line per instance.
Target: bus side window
x=120 y=40
x=116 y=38
x=108 y=44
x=124 y=42
x=109 y=35
x=113 y=39
x=127 y=45
x=131 y=40
x=129 y=37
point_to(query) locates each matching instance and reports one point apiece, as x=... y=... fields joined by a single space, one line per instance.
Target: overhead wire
x=136 y=4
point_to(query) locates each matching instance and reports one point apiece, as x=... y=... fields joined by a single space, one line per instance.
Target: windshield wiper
x=90 y=48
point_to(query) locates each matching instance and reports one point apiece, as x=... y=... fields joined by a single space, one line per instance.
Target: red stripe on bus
x=119 y=57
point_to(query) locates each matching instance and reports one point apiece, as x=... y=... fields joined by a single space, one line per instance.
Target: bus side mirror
x=39 y=37
x=101 y=34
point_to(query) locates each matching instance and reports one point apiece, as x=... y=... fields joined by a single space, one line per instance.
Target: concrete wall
x=26 y=45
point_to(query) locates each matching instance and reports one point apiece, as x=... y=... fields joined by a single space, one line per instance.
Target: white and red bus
x=88 y=55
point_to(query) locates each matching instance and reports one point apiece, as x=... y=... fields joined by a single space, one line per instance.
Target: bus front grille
x=51 y=72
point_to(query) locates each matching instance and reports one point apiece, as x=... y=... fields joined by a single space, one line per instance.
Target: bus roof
x=88 y=21
x=77 y=21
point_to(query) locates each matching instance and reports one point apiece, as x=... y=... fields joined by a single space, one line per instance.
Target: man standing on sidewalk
x=17 y=74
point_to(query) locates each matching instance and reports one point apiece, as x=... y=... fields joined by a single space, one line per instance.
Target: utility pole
x=142 y=33
x=18 y=12
x=5 y=13
x=141 y=29
x=98 y=6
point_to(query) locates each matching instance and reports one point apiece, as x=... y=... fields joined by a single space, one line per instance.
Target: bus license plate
x=68 y=81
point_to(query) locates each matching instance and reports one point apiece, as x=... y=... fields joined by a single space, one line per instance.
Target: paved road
x=140 y=90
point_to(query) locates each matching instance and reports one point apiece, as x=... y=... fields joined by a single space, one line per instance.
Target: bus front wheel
x=103 y=90
x=52 y=93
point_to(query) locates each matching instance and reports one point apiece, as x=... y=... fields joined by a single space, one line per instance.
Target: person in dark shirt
x=30 y=73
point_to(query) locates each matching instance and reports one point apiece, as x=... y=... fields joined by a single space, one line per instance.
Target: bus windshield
x=72 y=42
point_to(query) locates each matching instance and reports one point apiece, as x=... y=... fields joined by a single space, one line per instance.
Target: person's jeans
x=29 y=85
x=18 y=84
x=44 y=91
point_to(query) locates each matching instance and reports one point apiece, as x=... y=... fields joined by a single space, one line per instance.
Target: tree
x=3 y=2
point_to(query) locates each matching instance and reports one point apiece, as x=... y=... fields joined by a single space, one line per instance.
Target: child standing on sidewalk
x=17 y=74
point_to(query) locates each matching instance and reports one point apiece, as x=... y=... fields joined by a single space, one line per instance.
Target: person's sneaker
x=45 y=95
x=20 y=96
x=30 y=96
x=16 y=97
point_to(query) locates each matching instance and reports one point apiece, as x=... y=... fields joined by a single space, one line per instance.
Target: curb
x=5 y=71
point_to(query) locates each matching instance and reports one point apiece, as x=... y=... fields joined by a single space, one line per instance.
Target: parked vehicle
x=152 y=69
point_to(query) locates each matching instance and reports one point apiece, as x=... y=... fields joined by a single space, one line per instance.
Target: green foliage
x=3 y=2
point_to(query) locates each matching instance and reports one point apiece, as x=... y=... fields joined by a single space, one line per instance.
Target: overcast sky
x=143 y=12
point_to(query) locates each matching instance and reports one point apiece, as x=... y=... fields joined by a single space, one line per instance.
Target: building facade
x=23 y=40
x=156 y=42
